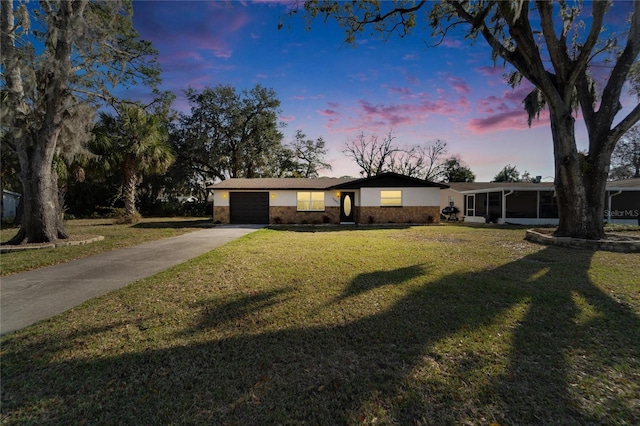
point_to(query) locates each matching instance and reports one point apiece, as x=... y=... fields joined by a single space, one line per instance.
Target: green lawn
x=116 y=236
x=407 y=326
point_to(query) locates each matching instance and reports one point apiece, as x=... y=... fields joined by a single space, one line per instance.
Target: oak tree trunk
x=42 y=216
x=580 y=181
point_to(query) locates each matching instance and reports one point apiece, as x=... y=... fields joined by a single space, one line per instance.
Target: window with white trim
x=310 y=201
x=391 y=198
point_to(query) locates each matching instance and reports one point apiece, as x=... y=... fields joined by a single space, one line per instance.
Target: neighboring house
x=10 y=201
x=386 y=198
x=529 y=203
x=623 y=202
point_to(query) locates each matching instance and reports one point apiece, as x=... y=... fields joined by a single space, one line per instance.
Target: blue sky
x=332 y=90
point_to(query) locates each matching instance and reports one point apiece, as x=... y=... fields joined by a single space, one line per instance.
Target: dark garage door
x=249 y=207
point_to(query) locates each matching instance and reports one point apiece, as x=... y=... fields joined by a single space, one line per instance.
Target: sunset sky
x=328 y=89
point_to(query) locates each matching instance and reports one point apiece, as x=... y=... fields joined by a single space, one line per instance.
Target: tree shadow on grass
x=178 y=224
x=339 y=228
x=214 y=313
x=400 y=365
x=371 y=280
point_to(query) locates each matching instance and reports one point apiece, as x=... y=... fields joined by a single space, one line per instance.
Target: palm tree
x=137 y=144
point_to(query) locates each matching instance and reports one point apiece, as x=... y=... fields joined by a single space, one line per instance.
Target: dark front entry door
x=347 y=207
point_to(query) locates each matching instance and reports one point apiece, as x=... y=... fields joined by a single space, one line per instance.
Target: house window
x=391 y=198
x=522 y=204
x=548 y=204
x=310 y=201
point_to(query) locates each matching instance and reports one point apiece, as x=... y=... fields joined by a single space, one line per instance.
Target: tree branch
x=599 y=9
x=477 y=22
x=557 y=49
x=628 y=122
x=612 y=90
x=396 y=11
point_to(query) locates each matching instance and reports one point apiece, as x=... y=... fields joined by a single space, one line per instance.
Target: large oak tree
x=58 y=57
x=228 y=133
x=551 y=44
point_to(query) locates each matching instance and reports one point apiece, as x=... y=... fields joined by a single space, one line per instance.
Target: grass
x=406 y=325
x=116 y=236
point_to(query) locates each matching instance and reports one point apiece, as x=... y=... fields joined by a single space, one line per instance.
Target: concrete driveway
x=32 y=296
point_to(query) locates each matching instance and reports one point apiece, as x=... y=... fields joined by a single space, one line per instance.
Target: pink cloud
x=410 y=78
x=403 y=92
x=207 y=33
x=491 y=71
x=333 y=117
x=452 y=43
x=463 y=103
x=459 y=85
x=369 y=75
x=328 y=113
x=415 y=110
x=505 y=112
x=509 y=120
x=405 y=114
x=288 y=3
x=287 y=118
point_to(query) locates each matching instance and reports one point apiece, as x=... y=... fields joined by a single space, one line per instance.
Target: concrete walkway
x=32 y=296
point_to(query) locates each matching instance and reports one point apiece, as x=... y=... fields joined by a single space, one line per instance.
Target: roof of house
x=624 y=184
x=12 y=193
x=280 y=183
x=627 y=184
x=389 y=180
x=483 y=186
x=384 y=180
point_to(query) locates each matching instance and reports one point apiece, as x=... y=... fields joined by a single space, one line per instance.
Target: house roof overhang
x=385 y=180
x=476 y=187
x=272 y=184
x=389 y=180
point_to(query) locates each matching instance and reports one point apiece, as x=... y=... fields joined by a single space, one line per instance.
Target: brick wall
x=221 y=214
x=286 y=215
x=407 y=214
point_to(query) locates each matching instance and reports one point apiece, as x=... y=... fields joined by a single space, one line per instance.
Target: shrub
x=121 y=217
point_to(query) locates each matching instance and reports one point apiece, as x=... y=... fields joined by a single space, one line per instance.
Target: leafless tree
x=375 y=156
x=371 y=154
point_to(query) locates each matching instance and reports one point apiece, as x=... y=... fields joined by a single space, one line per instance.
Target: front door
x=347 y=207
